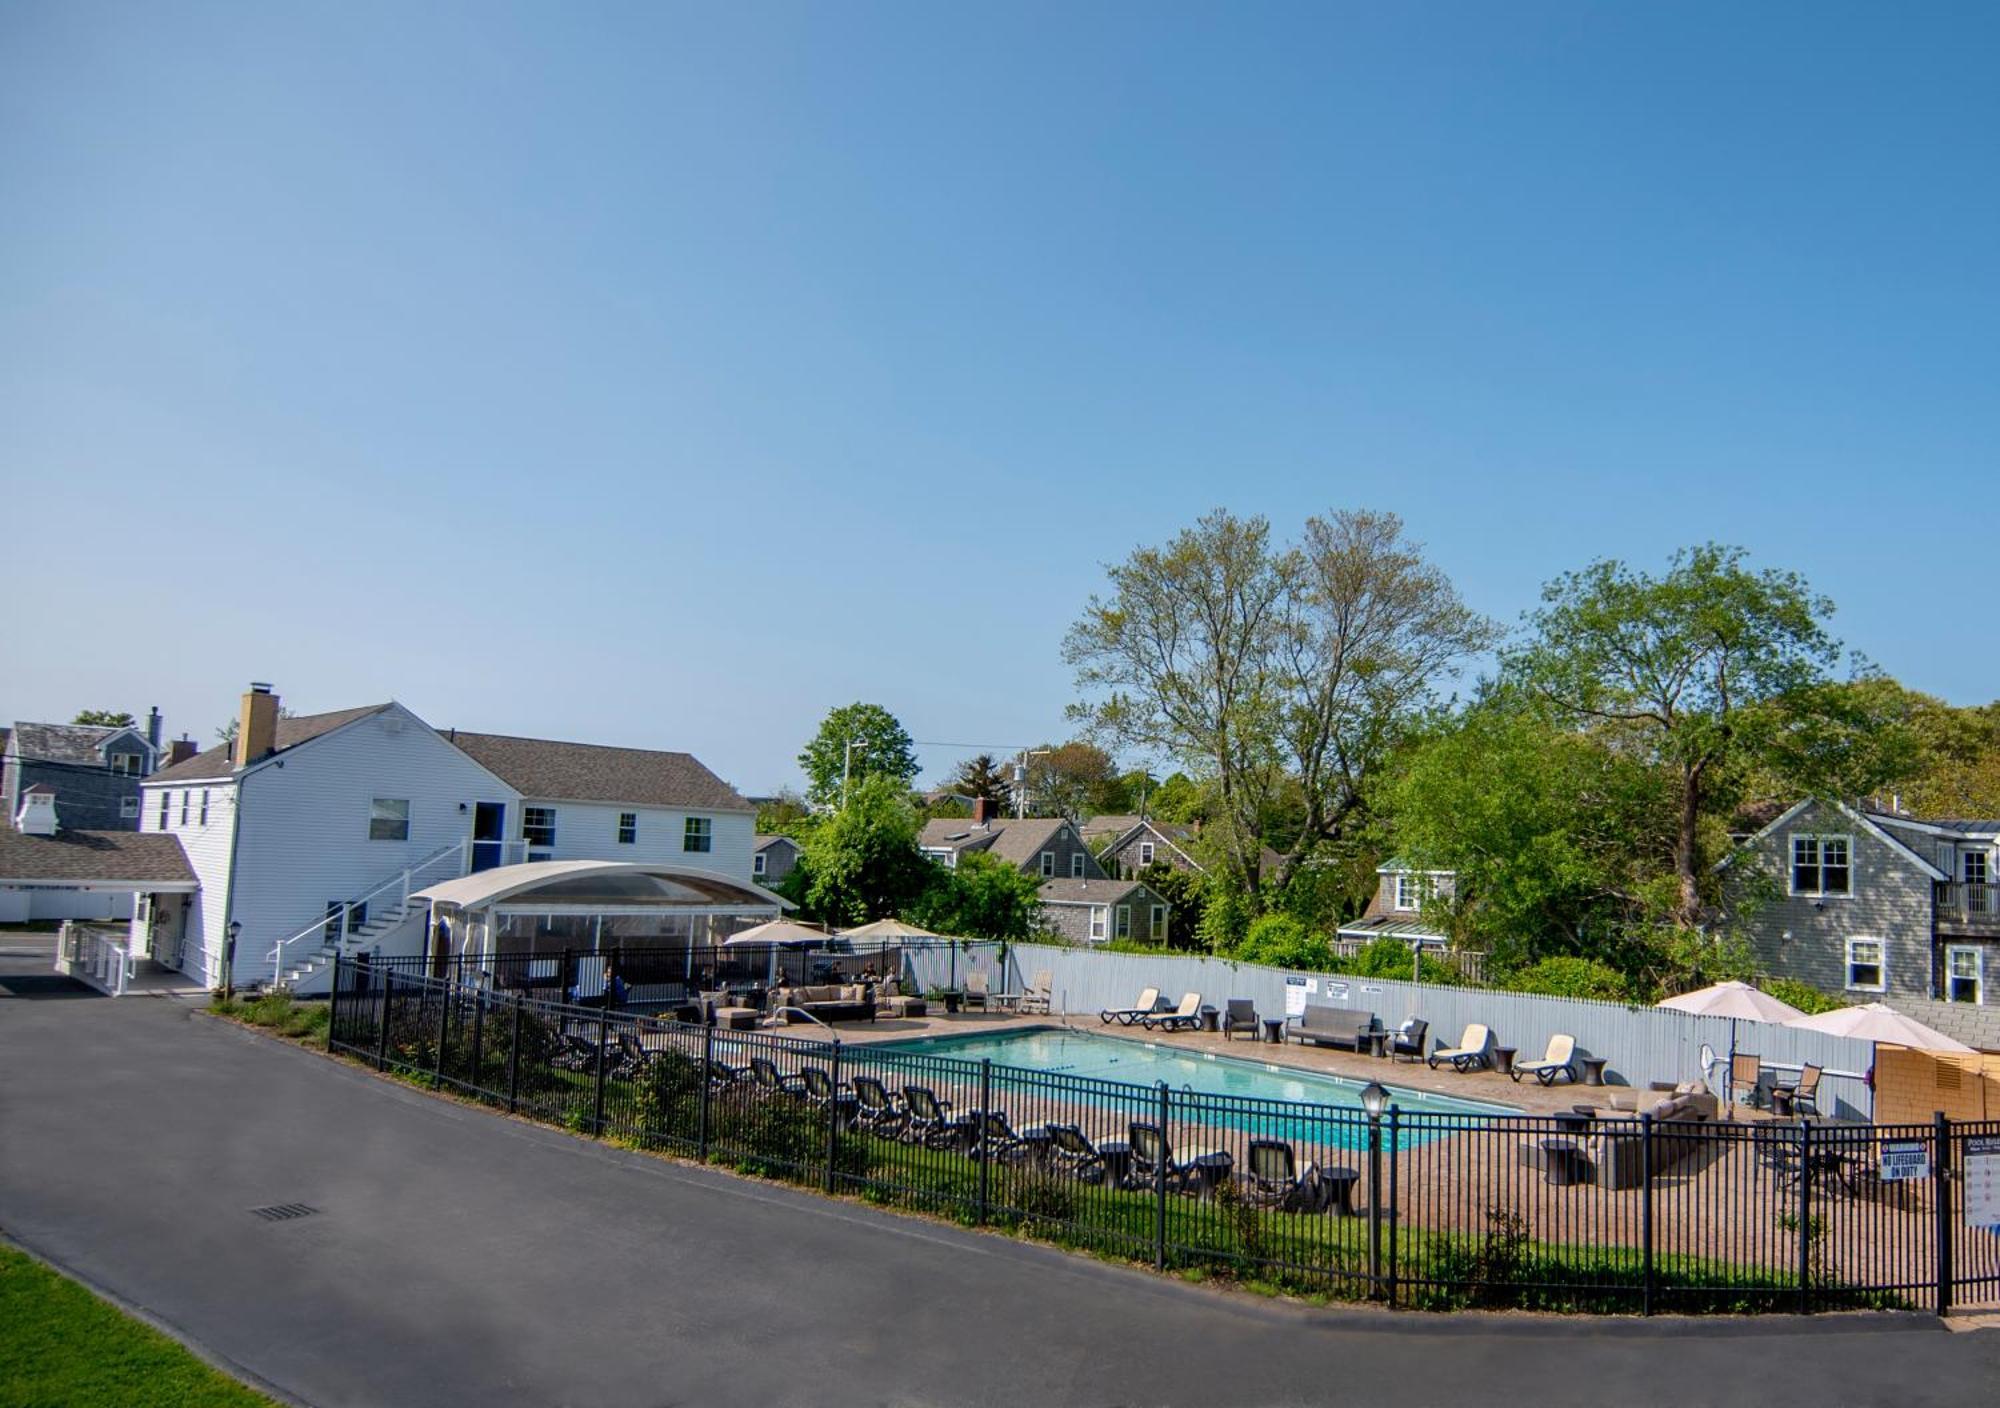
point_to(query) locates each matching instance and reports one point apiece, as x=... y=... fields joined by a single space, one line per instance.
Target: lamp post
x=229 y=959
x=1374 y=1099
x=847 y=765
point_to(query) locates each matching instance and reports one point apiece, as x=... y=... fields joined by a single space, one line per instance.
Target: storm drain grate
x=283 y=1212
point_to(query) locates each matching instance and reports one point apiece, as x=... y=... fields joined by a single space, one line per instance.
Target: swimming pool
x=1059 y=1051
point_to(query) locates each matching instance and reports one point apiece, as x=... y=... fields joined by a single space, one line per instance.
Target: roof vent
x=37 y=816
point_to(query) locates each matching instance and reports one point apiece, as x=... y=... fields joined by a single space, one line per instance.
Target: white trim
x=1049 y=866
x=1847 y=973
x=1156 y=927
x=1978 y=953
x=1792 y=839
x=1077 y=865
x=1860 y=819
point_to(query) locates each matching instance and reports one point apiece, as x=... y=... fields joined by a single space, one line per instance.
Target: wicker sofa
x=830 y=1002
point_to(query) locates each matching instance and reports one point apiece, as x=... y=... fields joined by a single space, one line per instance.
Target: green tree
x=982 y=778
x=1573 y=977
x=1186 y=894
x=1699 y=669
x=1267 y=668
x=1069 y=779
x=785 y=815
x=983 y=897
x=853 y=742
x=105 y=718
x=1178 y=799
x=1283 y=942
x=862 y=863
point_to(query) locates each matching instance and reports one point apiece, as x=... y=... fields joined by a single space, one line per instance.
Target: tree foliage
x=982 y=778
x=1074 y=780
x=105 y=718
x=1264 y=667
x=982 y=897
x=862 y=863
x=1283 y=942
x=880 y=747
x=1573 y=977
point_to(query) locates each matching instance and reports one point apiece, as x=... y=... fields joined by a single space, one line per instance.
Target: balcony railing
x=1969 y=906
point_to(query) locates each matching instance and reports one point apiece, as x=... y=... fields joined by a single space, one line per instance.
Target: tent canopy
x=601 y=882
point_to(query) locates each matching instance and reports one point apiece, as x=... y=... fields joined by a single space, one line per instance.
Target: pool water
x=1059 y=1051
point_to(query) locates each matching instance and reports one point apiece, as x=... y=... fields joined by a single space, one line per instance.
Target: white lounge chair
x=1187 y=1015
x=1126 y=1016
x=1558 y=1060
x=1469 y=1054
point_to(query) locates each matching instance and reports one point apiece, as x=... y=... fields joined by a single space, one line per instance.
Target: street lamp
x=1374 y=1099
x=847 y=751
x=229 y=960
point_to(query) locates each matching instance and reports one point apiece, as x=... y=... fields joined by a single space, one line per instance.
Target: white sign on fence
x=1982 y=1182
x=1904 y=1160
x=1336 y=991
x=1295 y=997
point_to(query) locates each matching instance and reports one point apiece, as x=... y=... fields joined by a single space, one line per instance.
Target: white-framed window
x=757 y=864
x=698 y=834
x=1076 y=865
x=628 y=828
x=1964 y=974
x=1145 y=854
x=1159 y=926
x=1097 y=919
x=538 y=825
x=1123 y=929
x=389 y=819
x=1048 y=865
x=204 y=804
x=166 y=802
x=128 y=806
x=1412 y=890
x=1822 y=865
x=1974 y=863
x=1867 y=965
x=125 y=764
x=186 y=797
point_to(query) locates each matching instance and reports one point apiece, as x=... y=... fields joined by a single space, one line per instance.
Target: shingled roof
x=588 y=772
x=1015 y=840
x=63 y=743
x=1067 y=891
x=82 y=857
x=290 y=734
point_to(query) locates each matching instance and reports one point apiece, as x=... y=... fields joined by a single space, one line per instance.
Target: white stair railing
x=98 y=957
x=342 y=921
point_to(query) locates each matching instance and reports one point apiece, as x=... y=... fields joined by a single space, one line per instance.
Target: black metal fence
x=1420 y=1209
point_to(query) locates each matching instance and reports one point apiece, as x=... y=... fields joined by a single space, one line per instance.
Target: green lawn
x=61 y=1345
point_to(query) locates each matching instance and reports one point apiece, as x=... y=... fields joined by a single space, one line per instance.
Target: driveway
x=457 y=1257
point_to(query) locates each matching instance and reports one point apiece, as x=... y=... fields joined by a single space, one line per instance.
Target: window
x=1866 y=968
x=1048 y=864
x=1076 y=865
x=538 y=825
x=204 y=806
x=698 y=835
x=1412 y=890
x=628 y=828
x=1975 y=867
x=1124 y=929
x=1159 y=929
x=1145 y=854
x=1962 y=975
x=1821 y=866
x=757 y=864
x=389 y=819
x=186 y=797
x=1097 y=921
x=129 y=806
x=166 y=800
x=125 y=764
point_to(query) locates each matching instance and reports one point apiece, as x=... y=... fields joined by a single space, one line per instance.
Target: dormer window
x=125 y=764
x=1412 y=890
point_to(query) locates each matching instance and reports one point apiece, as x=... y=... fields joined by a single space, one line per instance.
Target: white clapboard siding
x=589 y=831
x=206 y=845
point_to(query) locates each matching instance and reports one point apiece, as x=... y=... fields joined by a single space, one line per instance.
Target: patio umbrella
x=888 y=929
x=1880 y=1024
x=776 y=931
x=1739 y=1002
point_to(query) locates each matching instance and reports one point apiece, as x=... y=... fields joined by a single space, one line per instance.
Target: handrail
x=809 y=1016
x=346 y=912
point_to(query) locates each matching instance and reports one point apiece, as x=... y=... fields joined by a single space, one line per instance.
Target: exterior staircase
x=310 y=972
x=304 y=962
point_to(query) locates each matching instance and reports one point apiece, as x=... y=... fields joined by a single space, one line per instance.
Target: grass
x=65 y=1346
x=277 y=1012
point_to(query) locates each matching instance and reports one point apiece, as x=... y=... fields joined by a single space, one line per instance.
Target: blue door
x=489 y=834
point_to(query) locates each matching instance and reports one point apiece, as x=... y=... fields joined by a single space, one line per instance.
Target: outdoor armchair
x=1271 y=1178
x=1558 y=1060
x=1804 y=1092
x=1408 y=1039
x=1240 y=1016
x=977 y=991
x=1039 y=992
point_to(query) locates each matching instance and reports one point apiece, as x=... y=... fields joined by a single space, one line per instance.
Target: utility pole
x=847 y=766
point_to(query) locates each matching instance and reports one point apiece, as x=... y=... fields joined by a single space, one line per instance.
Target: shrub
x=1283 y=942
x=1573 y=977
x=1804 y=996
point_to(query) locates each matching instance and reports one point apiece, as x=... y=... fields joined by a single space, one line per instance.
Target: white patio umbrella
x=888 y=929
x=776 y=931
x=1739 y=1002
x=1878 y=1023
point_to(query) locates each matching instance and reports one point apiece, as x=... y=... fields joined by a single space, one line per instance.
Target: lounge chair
x=720 y=1072
x=1804 y=1092
x=1126 y=1016
x=877 y=1110
x=1239 y=1016
x=929 y=1119
x=1071 y=1151
x=1039 y=992
x=631 y=1058
x=1471 y=1052
x=1558 y=1060
x=764 y=1075
x=1408 y=1039
x=1271 y=1179
x=977 y=991
x=996 y=1138
x=1152 y=1157
x=1746 y=1074
x=1185 y=1017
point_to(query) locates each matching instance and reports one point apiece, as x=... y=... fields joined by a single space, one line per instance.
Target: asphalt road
x=457 y=1257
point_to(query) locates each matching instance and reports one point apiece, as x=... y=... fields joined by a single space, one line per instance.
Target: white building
x=308 y=835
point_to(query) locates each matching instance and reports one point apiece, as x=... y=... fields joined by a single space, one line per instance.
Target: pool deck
x=1528 y=1096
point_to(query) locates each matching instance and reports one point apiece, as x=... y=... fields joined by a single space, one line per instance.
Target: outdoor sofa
x=1333 y=1026
x=830 y=1002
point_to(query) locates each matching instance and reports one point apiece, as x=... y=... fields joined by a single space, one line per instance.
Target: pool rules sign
x=1982 y=1182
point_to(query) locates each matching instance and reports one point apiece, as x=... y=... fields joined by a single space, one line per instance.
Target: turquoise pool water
x=1060 y=1051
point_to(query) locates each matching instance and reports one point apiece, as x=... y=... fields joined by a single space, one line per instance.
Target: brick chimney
x=982 y=810
x=257 y=727
x=180 y=750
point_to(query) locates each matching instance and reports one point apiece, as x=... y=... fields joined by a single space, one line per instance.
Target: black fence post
x=478 y=1039
x=444 y=1034
x=1646 y=1213
x=514 y=1059
x=1160 y=1188
x=979 y=1148
x=833 y=1118
x=603 y=1041
x=1395 y=1143
x=1375 y=1286
x=382 y=1033
x=333 y=1004
x=1941 y=1205
x=707 y=1087
x=1805 y=1217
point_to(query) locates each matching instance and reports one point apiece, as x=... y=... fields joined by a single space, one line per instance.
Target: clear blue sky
x=667 y=375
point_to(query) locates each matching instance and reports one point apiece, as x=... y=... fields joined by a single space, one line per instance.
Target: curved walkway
x=457 y=1257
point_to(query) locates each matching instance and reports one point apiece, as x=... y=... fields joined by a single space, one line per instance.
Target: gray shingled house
x=94 y=771
x=1079 y=900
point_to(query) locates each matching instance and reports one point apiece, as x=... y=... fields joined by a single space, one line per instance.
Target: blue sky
x=667 y=375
